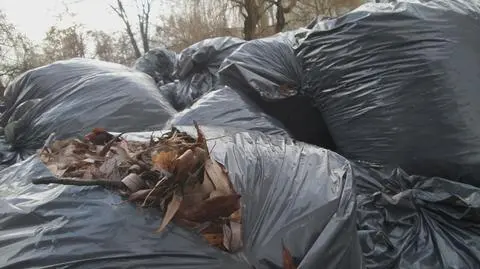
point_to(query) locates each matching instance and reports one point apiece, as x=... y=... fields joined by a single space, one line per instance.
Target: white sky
x=34 y=17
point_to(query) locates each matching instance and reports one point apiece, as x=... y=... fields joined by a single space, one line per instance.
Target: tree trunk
x=251 y=20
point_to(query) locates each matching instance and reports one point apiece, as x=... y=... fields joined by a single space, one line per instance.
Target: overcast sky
x=34 y=17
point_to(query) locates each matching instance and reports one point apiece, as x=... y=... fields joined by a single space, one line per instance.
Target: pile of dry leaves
x=174 y=172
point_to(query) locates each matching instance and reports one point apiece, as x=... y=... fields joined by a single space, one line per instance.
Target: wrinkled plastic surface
x=192 y=88
x=159 y=63
x=197 y=66
x=268 y=71
x=117 y=98
x=398 y=84
x=47 y=79
x=296 y=194
x=227 y=108
x=169 y=92
x=414 y=222
x=206 y=54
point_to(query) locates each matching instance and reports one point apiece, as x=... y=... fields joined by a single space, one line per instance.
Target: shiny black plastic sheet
x=72 y=97
x=228 y=108
x=197 y=68
x=159 y=63
x=414 y=222
x=268 y=71
x=295 y=194
x=398 y=84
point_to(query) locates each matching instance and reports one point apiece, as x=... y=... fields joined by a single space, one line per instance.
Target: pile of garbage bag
x=397 y=84
x=197 y=66
x=90 y=227
x=73 y=96
x=228 y=108
x=351 y=143
x=158 y=63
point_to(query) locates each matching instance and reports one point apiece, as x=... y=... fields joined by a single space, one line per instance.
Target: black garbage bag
x=398 y=84
x=295 y=194
x=197 y=66
x=169 y=92
x=414 y=222
x=189 y=90
x=228 y=108
x=41 y=81
x=120 y=100
x=267 y=70
x=206 y=55
x=159 y=63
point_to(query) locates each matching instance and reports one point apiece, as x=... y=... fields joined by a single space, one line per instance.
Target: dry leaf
x=218 y=177
x=140 y=195
x=232 y=236
x=207 y=184
x=172 y=209
x=164 y=160
x=201 y=140
x=237 y=216
x=214 y=239
x=133 y=182
x=288 y=262
x=212 y=208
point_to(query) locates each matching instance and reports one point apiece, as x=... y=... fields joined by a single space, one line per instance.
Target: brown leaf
x=172 y=209
x=212 y=208
x=201 y=140
x=140 y=195
x=218 y=177
x=110 y=169
x=214 y=239
x=164 y=160
x=133 y=182
x=232 y=236
x=236 y=216
x=288 y=262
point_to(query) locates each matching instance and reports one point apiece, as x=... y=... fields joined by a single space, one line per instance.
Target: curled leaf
x=164 y=160
x=218 y=177
x=288 y=262
x=140 y=195
x=133 y=182
x=172 y=209
x=212 y=208
x=232 y=236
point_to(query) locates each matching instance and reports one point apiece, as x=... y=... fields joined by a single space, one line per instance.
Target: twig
x=108 y=146
x=80 y=182
x=160 y=182
x=49 y=140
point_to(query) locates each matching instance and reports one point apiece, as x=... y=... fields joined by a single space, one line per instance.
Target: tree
x=114 y=47
x=256 y=12
x=193 y=21
x=144 y=8
x=66 y=43
x=17 y=53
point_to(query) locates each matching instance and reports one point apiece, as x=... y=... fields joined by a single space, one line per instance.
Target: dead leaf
x=207 y=184
x=140 y=195
x=109 y=145
x=237 y=216
x=164 y=160
x=288 y=262
x=218 y=177
x=172 y=209
x=212 y=208
x=201 y=140
x=232 y=236
x=133 y=182
x=214 y=239
x=110 y=169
